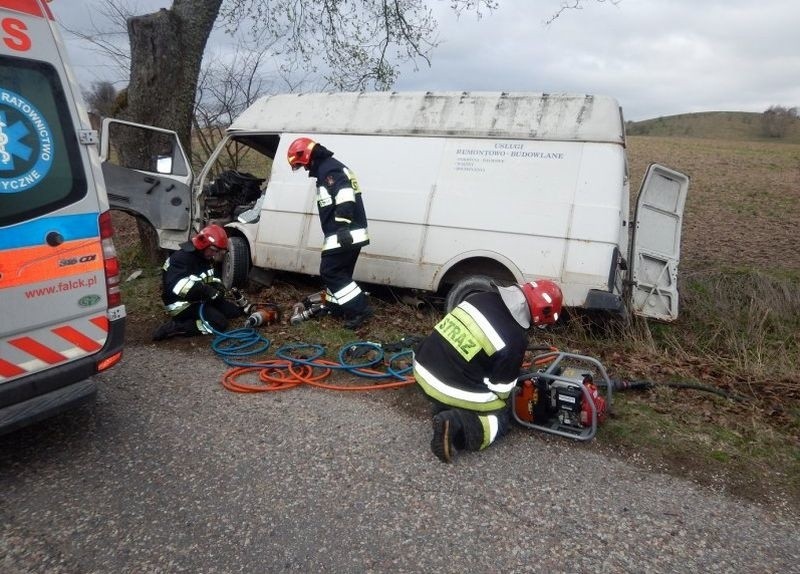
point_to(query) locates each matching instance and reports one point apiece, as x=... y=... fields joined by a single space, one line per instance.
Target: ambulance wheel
x=467 y=286
x=236 y=264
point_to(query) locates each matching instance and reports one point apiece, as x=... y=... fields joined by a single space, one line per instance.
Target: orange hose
x=281 y=374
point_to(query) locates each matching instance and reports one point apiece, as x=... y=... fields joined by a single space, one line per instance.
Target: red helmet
x=544 y=301
x=299 y=153
x=211 y=236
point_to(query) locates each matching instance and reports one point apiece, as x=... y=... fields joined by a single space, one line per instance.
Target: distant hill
x=712 y=125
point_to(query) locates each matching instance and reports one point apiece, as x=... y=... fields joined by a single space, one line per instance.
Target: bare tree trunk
x=166 y=52
x=149 y=240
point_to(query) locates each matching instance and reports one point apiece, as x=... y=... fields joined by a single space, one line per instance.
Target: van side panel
x=397 y=182
x=540 y=208
x=551 y=207
x=596 y=222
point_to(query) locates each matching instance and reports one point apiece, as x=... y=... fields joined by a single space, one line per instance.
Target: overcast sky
x=657 y=57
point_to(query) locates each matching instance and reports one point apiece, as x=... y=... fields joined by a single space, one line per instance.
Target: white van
x=61 y=316
x=458 y=188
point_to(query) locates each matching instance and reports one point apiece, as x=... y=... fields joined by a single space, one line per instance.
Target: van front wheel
x=467 y=286
x=236 y=264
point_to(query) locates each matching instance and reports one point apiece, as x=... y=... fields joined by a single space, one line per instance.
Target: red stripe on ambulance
x=32 y=7
x=77 y=338
x=101 y=321
x=45 y=348
x=9 y=369
x=36 y=349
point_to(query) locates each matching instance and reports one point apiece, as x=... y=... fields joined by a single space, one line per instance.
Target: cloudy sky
x=657 y=57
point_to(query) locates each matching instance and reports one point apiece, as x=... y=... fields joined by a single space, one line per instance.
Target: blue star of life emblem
x=26 y=144
x=10 y=144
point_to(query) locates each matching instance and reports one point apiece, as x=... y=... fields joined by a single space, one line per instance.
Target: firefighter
x=469 y=364
x=188 y=279
x=344 y=225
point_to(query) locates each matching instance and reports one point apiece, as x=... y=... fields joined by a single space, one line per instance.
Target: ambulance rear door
x=57 y=308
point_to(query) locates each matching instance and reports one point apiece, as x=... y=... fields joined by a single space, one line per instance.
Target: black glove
x=345 y=237
x=210 y=293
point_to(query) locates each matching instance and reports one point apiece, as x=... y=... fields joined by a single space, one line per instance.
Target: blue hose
x=287 y=352
x=242 y=342
x=232 y=345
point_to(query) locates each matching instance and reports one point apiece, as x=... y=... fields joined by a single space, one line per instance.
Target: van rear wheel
x=236 y=264
x=467 y=286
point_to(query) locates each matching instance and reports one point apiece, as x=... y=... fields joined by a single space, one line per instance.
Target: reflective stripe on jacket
x=340 y=205
x=473 y=357
x=183 y=276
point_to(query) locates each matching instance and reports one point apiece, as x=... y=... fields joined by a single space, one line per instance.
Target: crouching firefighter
x=469 y=364
x=188 y=280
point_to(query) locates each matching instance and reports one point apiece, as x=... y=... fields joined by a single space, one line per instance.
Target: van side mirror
x=164 y=164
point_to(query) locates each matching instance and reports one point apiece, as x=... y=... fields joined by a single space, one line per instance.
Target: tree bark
x=166 y=52
x=148 y=238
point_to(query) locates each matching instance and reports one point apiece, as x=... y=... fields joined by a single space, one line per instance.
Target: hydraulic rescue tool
x=562 y=398
x=310 y=307
x=241 y=301
x=257 y=314
x=261 y=317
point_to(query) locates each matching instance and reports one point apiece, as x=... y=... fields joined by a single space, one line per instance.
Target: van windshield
x=40 y=162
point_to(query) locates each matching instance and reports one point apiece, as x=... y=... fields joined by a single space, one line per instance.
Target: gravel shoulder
x=170 y=472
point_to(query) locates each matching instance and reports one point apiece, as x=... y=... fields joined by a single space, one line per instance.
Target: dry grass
x=740 y=267
x=714 y=125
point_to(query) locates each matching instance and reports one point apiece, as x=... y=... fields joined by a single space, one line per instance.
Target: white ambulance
x=459 y=188
x=61 y=317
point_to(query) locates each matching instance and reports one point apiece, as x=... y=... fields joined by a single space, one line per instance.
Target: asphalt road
x=169 y=472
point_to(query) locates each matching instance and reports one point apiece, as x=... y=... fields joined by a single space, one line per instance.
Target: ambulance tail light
x=109 y=362
x=110 y=261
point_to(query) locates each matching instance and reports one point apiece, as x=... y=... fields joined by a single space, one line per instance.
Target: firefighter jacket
x=187 y=277
x=473 y=357
x=338 y=201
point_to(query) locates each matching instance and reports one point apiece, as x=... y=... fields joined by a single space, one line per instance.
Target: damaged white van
x=459 y=187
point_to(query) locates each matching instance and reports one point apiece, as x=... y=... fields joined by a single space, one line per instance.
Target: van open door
x=147 y=174
x=656 y=243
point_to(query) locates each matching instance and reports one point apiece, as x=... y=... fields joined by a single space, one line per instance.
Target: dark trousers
x=336 y=270
x=216 y=313
x=474 y=425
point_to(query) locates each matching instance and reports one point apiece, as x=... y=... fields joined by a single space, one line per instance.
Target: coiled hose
x=302 y=363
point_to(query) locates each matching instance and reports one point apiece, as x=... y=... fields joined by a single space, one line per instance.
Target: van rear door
x=147 y=174
x=656 y=243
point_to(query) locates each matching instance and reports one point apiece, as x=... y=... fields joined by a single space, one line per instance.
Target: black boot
x=447 y=431
x=167 y=330
x=355 y=321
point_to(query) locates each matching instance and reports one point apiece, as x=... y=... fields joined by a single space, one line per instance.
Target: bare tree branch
x=111 y=40
x=574 y=5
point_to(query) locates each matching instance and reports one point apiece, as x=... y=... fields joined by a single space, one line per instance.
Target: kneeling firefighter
x=188 y=280
x=469 y=364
